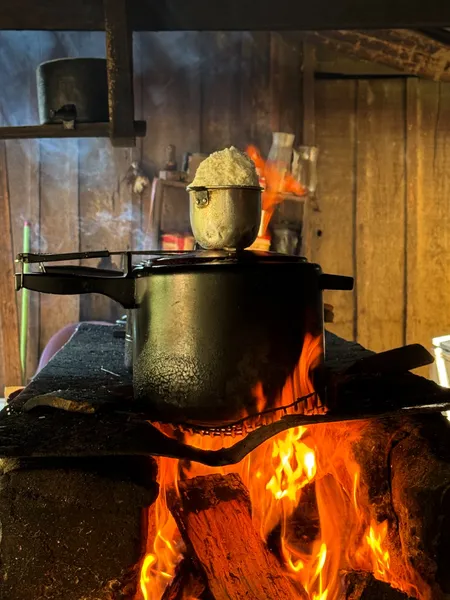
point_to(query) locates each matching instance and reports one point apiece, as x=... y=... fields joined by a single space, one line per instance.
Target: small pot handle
x=120 y=289
x=335 y=282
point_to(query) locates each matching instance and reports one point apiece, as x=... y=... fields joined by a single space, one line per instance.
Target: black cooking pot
x=210 y=326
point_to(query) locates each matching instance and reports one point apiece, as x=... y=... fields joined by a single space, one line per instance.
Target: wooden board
x=332 y=229
x=428 y=241
x=59 y=226
x=380 y=214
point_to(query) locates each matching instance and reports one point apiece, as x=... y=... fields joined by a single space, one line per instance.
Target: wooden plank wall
x=383 y=170
x=384 y=194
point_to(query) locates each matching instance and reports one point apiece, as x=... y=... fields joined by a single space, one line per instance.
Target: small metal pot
x=73 y=89
x=225 y=217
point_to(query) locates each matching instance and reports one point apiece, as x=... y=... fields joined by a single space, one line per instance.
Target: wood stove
x=78 y=472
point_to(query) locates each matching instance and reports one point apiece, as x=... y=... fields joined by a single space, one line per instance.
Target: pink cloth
x=58 y=340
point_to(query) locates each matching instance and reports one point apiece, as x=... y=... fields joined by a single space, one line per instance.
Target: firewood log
x=213 y=514
x=405 y=467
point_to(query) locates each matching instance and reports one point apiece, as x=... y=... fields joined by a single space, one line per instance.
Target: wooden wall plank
x=332 y=228
x=9 y=319
x=106 y=214
x=23 y=174
x=255 y=91
x=171 y=94
x=428 y=240
x=220 y=79
x=137 y=240
x=59 y=226
x=171 y=103
x=21 y=53
x=380 y=214
x=286 y=52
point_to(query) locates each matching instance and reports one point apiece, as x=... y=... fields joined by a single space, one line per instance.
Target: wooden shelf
x=81 y=130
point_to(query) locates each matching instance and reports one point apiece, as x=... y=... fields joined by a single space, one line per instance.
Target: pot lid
x=216 y=257
x=153 y=259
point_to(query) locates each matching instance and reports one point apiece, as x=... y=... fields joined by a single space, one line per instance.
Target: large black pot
x=208 y=330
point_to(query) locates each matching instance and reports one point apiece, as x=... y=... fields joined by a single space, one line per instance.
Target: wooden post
x=9 y=319
x=119 y=55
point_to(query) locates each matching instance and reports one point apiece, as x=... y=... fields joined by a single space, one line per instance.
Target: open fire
x=280 y=475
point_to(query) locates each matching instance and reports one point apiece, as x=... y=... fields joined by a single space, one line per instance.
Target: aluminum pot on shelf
x=208 y=327
x=73 y=89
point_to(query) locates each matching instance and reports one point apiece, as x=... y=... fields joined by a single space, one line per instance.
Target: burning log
x=405 y=469
x=213 y=514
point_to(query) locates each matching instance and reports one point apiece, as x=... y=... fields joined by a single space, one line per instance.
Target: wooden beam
x=407 y=51
x=241 y=15
x=9 y=319
x=119 y=56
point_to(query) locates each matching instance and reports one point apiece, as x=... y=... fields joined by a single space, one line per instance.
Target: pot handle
x=335 y=282
x=120 y=288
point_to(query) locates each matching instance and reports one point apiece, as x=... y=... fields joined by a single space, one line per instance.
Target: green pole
x=25 y=304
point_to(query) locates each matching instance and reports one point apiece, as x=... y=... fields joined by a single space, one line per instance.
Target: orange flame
x=276 y=185
x=277 y=475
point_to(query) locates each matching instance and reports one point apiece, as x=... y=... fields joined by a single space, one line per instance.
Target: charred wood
x=363 y=586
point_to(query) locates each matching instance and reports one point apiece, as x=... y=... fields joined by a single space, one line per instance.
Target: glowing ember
x=277 y=474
